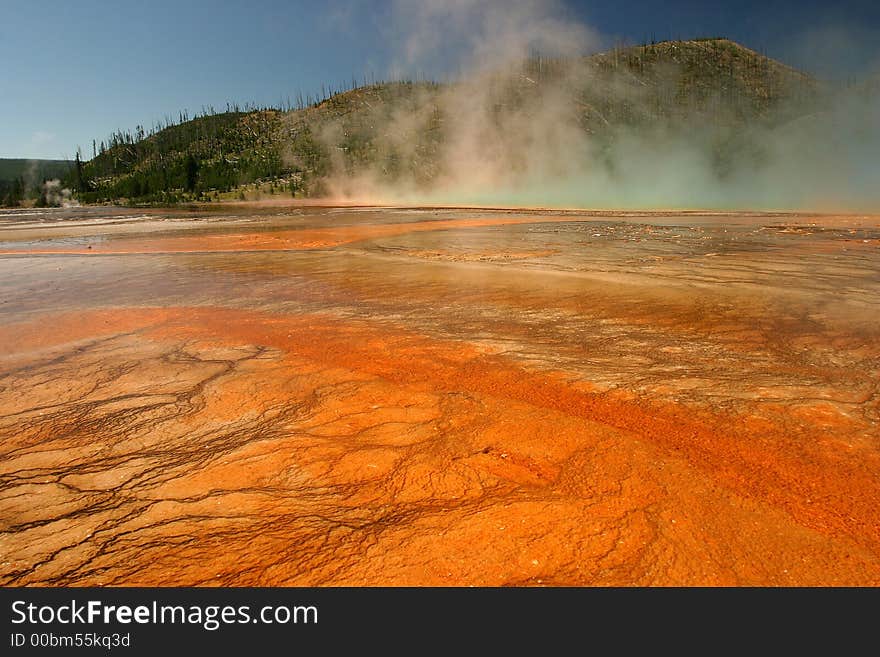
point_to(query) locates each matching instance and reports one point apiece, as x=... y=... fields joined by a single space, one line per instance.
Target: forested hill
x=10 y=169
x=237 y=154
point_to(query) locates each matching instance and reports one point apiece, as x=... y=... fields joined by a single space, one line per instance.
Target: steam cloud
x=57 y=196
x=508 y=133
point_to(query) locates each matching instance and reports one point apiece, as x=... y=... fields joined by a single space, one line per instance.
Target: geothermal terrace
x=381 y=396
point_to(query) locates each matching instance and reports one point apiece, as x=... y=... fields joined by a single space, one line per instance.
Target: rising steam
x=515 y=130
x=53 y=194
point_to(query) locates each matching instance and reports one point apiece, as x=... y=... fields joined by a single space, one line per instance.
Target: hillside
x=10 y=169
x=715 y=75
x=400 y=130
x=213 y=152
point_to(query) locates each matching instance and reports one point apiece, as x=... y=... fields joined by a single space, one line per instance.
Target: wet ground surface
x=256 y=396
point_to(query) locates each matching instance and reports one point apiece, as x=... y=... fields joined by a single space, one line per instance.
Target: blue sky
x=76 y=71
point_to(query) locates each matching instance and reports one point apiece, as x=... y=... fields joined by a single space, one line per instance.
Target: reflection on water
x=652 y=398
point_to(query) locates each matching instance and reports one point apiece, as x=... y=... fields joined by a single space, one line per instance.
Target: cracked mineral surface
x=381 y=396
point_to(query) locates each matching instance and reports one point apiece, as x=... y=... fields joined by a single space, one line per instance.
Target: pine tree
x=192 y=172
x=17 y=193
x=79 y=180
